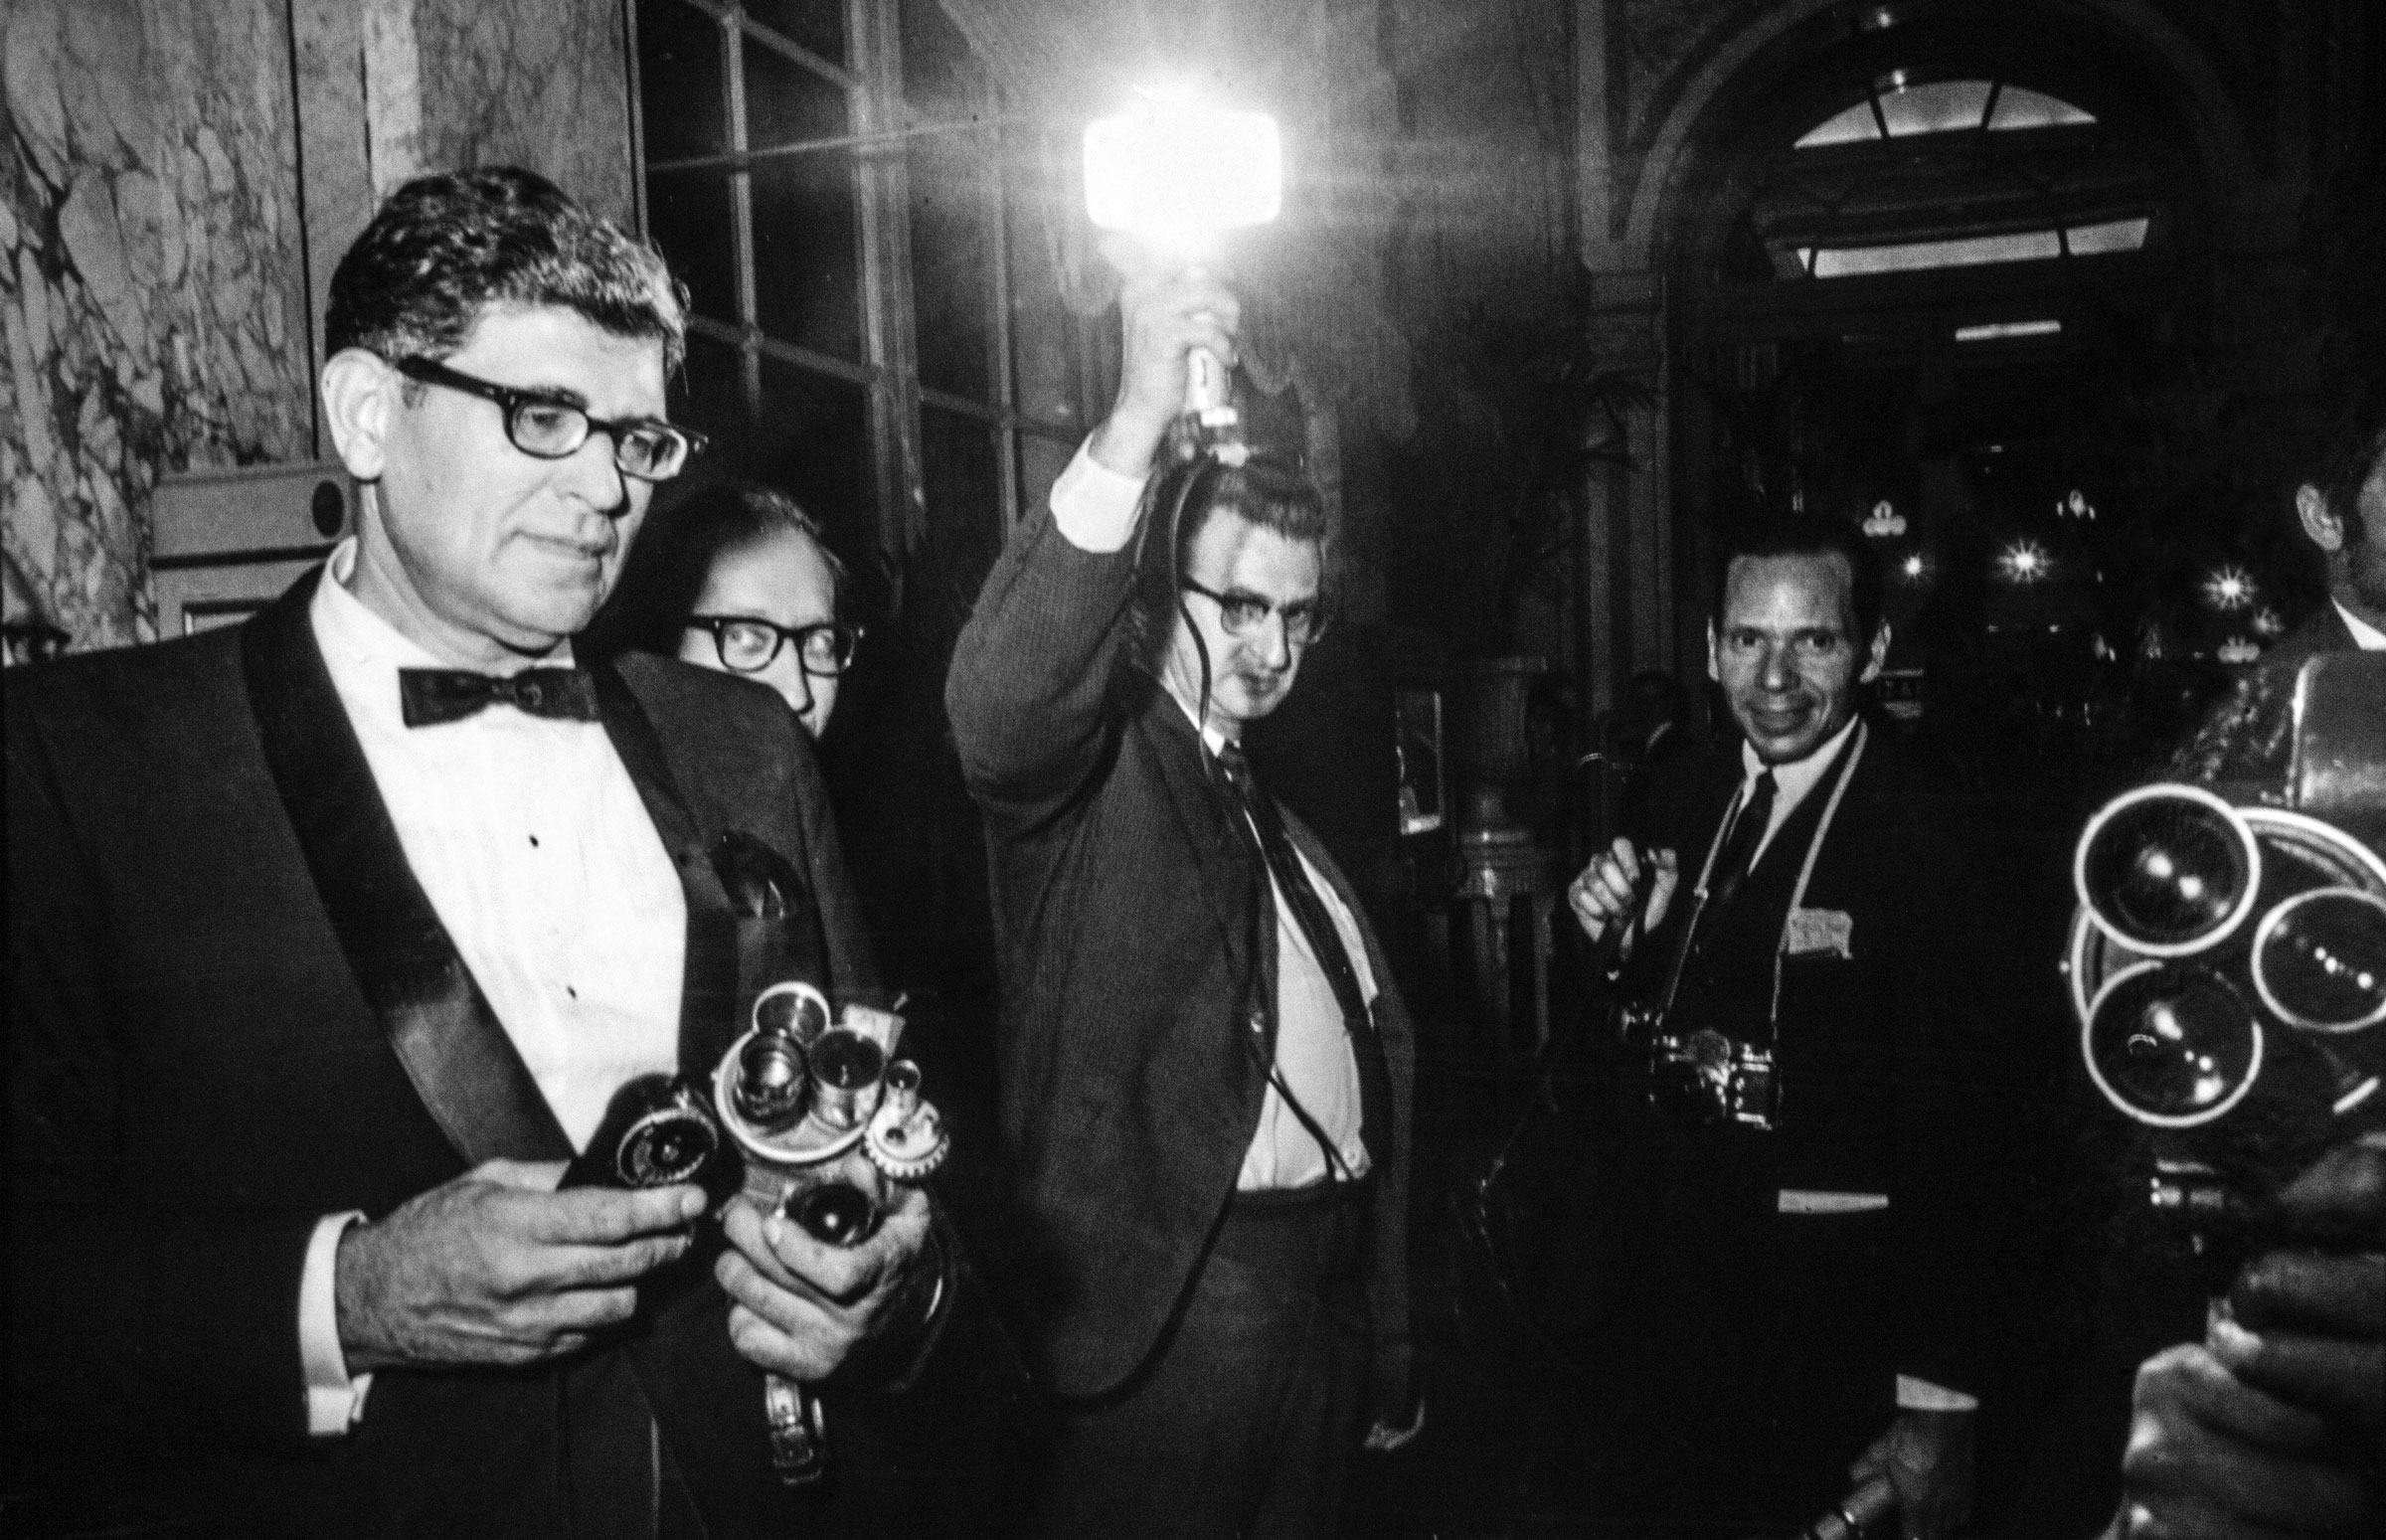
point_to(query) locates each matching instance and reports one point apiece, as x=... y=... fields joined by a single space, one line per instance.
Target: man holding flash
x=1794 y=1284
x=1204 y=1069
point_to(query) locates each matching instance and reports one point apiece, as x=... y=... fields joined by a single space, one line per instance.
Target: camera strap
x=1702 y=894
x=1805 y=871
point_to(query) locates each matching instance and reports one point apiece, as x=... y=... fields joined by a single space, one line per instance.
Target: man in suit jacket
x=1204 y=1070
x=331 y=936
x=1794 y=1281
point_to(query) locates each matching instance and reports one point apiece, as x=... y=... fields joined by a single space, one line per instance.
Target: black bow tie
x=429 y=696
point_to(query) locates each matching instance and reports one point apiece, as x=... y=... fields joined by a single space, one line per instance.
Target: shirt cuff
x=1095 y=506
x=1917 y=1395
x=334 y=1401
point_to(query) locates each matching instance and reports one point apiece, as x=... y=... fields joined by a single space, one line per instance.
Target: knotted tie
x=1739 y=851
x=1263 y=831
x=429 y=696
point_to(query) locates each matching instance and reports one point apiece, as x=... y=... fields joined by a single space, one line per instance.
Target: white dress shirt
x=2368 y=637
x=1094 y=508
x=536 y=852
x=1790 y=781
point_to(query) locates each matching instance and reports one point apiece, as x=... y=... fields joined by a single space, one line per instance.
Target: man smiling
x=335 y=934
x=1791 y=1280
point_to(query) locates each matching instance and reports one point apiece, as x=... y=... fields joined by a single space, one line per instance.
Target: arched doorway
x=1937 y=267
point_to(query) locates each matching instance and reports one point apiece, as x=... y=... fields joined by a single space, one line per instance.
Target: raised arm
x=1034 y=666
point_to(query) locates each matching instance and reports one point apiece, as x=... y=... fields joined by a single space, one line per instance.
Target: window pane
x=1966 y=252
x=1047 y=373
x=965 y=504
x=1943 y=107
x=941 y=79
x=687 y=213
x=813 y=442
x=1848 y=127
x=679 y=82
x=952 y=266
x=818 y=25
x=2018 y=107
x=806 y=275
x=705 y=398
x=953 y=257
x=787 y=103
x=2118 y=235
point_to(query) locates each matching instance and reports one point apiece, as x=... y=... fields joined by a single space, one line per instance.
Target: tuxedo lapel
x=462 y=1063
x=710 y=987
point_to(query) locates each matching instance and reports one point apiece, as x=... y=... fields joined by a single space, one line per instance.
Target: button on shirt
x=1094 y=507
x=535 y=851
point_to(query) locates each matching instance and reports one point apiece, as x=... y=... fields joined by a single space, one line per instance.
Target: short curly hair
x=443 y=249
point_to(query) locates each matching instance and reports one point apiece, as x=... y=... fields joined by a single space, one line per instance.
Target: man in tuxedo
x=331 y=936
x=1792 y=1262
x=1204 y=1072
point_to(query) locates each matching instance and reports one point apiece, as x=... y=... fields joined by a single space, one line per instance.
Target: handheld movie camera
x=2227 y=958
x=790 y=1106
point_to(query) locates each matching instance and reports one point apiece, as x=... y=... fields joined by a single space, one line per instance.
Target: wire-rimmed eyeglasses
x=1241 y=613
x=746 y=644
x=549 y=428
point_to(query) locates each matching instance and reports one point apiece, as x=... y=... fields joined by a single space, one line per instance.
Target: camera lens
x=2319 y=960
x=846 y=1067
x=836 y=1214
x=795 y=1010
x=768 y=1087
x=668 y=1147
x=2172 y=1046
x=2167 y=868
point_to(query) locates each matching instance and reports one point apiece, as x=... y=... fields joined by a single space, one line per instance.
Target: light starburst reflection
x=2230 y=587
x=2025 y=561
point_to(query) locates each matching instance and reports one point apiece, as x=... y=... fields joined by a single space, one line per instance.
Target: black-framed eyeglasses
x=747 y=644
x=1241 y=613
x=549 y=428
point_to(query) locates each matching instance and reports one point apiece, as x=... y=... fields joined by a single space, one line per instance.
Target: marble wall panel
x=154 y=298
x=542 y=84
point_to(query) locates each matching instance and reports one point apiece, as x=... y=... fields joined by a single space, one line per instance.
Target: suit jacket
x=2323 y=630
x=1138 y=987
x=2247 y=737
x=1891 y=1085
x=232 y=1011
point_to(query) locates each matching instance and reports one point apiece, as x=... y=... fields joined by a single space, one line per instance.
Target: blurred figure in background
x=738 y=578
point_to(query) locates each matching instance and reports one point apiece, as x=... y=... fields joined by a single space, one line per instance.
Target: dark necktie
x=1264 y=832
x=429 y=696
x=1739 y=851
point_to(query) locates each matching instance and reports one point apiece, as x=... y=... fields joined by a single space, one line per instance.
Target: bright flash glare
x=1175 y=168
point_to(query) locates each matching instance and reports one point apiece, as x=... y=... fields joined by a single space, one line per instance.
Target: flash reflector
x=1174 y=166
